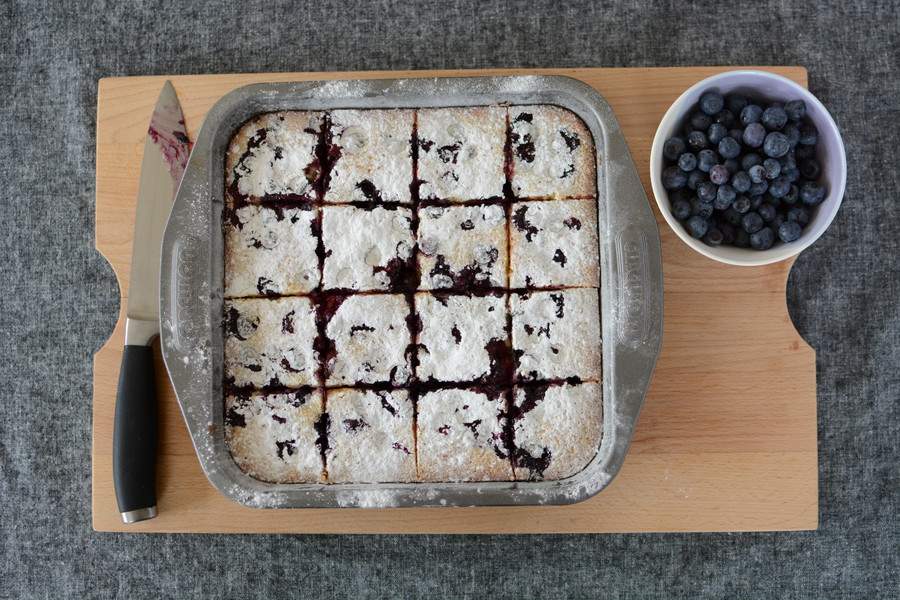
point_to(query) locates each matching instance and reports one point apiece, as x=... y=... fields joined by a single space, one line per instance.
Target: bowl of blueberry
x=748 y=168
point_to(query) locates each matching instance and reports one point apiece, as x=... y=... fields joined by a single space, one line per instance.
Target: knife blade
x=166 y=150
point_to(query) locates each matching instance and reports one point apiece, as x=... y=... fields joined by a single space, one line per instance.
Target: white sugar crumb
x=362 y=246
x=375 y=161
x=554 y=243
x=553 y=153
x=270 y=252
x=461 y=152
x=371 y=436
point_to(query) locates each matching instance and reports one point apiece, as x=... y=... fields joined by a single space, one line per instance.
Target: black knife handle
x=134 y=436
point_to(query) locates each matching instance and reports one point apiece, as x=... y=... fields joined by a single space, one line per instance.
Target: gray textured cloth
x=59 y=299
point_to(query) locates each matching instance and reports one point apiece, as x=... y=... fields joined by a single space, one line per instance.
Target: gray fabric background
x=59 y=298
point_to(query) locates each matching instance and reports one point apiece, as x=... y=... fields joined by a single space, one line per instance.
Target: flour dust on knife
x=166 y=151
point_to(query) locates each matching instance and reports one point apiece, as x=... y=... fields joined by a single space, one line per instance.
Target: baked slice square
x=556 y=335
x=462 y=247
x=554 y=243
x=367 y=248
x=269 y=342
x=373 y=156
x=461 y=153
x=553 y=153
x=460 y=436
x=556 y=429
x=371 y=436
x=274 y=438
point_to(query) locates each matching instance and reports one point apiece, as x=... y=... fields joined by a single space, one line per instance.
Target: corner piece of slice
x=372 y=152
x=553 y=153
x=274 y=154
x=371 y=436
x=556 y=429
x=273 y=437
x=460 y=437
x=270 y=252
x=462 y=153
x=269 y=343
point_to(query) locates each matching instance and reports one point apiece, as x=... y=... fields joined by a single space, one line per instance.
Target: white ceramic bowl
x=830 y=152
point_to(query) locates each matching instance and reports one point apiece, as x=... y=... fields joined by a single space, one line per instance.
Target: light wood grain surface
x=726 y=440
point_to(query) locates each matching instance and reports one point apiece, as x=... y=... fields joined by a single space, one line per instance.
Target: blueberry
x=719 y=174
x=757 y=201
x=757 y=173
x=713 y=237
x=729 y=148
x=687 y=162
x=727 y=233
x=732 y=217
x=716 y=132
x=810 y=168
x=741 y=205
x=792 y=195
x=695 y=178
x=752 y=222
x=724 y=117
x=754 y=135
x=780 y=187
x=751 y=114
x=681 y=209
x=736 y=134
x=732 y=165
x=772 y=167
x=701 y=209
x=736 y=102
x=741 y=182
x=700 y=121
x=762 y=239
x=801 y=152
x=673 y=148
x=811 y=193
x=777 y=221
x=749 y=160
x=808 y=135
x=789 y=231
x=776 y=144
x=706 y=191
x=767 y=212
x=758 y=189
x=793 y=134
x=724 y=197
x=774 y=118
x=795 y=109
x=788 y=161
x=712 y=102
x=741 y=239
x=697 y=140
x=706 y=160
x=697 y=226
x=791 y=173
x=673 y=178
x=799 y=215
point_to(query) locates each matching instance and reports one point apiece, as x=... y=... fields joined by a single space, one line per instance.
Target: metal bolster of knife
x=139 y=332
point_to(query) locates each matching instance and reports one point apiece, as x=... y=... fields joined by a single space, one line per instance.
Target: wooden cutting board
x=727 y=437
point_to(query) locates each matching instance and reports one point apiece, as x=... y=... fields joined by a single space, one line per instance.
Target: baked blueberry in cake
x=458 y=335
x=269 y=342
x=270 y=252
x=552 y=152
x=274 y=155
x=554 y=243
x=373 y=156
x=369 y=334
x=462 y=247
x=371 y=436
x=461 y=153
x=460 y=437
x=556 y=429
x=274 y=437
x=367 y=248
x=556 y=335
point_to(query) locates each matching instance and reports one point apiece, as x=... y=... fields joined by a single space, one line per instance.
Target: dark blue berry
x=776 y=144
x=780 y=187
x=751 y=114
x=802 y=152
x=687 y=162
x=729 y=148
x=754 y=135
x=724 y=197
x=762 y=239
x=741 y=182
x=810 y=168
x=736 y=102
x=673 y=178
x=724 y=117
x=696 y=140
x=741 y=239
x=757 y=173
x=681 y=209
x=799 y=215
x=741 y=205
x=789 y=231
x=732 y=165
x=792 y=195
x=701 y=209
x=706 y=160
x=727 y=233
x=697 y=226
x=767 y=212
x=774 y=118
x=673 y=148
x=700 y=121
x=695 y=178
x=749 y=160
x=788 y=161
x=793 y=134
x=772 y=167
x=713 y=237
x=758 y=189
x=736 y=134
x=757 y=201
x=811 y=193
x=715 y=133
x=752 y=222
x=706 y=191
x=732 y=217
x=808 y=135
x=791 y=173
x=719 y=174
x=795 y=109
x=711 y=102
x=777 y=221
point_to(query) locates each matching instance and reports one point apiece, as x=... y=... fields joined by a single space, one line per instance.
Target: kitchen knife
x=166 y=151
